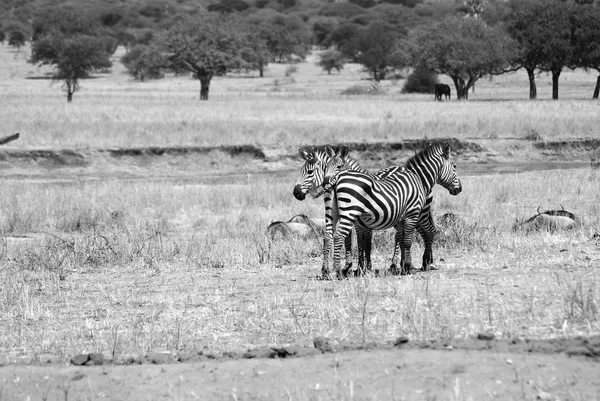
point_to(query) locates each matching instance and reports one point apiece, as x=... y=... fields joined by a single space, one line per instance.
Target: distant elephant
x=442 y=89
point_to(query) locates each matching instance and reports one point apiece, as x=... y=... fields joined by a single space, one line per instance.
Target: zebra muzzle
x=298 y=194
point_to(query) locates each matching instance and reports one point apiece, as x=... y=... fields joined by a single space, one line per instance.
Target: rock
x=159 y=359
x=259 y=353
x=323 y=345
x=95 y=359
x=401 y=340
x=485 y=336
x=80 y=360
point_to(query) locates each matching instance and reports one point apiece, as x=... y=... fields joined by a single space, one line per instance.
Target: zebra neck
x=426 y=175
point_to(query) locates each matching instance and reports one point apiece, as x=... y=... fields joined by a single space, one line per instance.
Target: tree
x=73 y=57
x=71 y=40
x=16 y=39
x=322 y=28
x=465 y=49
x=258 y=55
x=343 y=38
x=377 y=51
x=556 y=50
x=205 y=45
x=288 y=37
x=143 y=62
x=331 y=59
x=586 y=54
x=2 y=37
x=528 y=37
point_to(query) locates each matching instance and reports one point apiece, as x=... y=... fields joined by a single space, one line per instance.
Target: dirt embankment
x=207 y=161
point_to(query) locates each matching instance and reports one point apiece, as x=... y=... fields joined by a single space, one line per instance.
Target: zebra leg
x=360 y=243
x=348 y=247
x=408 y=235
x=330 y=221
x=426 y=228
x=327 y=237
x=341 y=233
x=397 y=241
x=367 y=241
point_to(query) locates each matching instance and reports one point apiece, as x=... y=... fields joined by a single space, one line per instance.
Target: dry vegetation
x=304 y=108
x=132 y=267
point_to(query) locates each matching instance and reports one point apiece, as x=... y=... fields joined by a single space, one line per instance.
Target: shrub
x=420 y=80
x=331 y=59
x=373 y=89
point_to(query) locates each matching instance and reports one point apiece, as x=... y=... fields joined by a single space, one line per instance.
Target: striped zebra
x=314 y=156
x=395 y=200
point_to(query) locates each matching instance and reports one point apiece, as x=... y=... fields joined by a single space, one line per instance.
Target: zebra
x=425 y=226
x=393 y=201
x=316 y=158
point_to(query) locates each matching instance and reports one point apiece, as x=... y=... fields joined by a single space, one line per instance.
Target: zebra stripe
x=392 y=201
x=425 y=226
x=378 y=204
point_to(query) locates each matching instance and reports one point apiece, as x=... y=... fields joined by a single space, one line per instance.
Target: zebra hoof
x=428 y=268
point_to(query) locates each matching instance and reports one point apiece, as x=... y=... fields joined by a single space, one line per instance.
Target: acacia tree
x=528 y=37
x=16 y=39
x=205 y=45
x=556 y=49
x=377 y=51
x=73 y=57
x=465 y=49
x=70 y=40
x=587 y=40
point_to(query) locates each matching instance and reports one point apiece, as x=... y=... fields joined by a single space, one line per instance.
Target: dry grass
x=132 y=267
x=160 y=266
x=113 y=111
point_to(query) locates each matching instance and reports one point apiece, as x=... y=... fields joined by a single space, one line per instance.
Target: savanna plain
x=154 y=258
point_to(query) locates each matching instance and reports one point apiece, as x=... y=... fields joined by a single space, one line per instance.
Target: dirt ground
x=474 y=369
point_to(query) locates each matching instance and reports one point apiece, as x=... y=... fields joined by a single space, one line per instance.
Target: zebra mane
x=430 y=150
x=351 y=163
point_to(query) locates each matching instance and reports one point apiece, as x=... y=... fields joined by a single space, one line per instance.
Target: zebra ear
x=344 y=150
x=446 y=150
x=306 y=155
x=330 y=152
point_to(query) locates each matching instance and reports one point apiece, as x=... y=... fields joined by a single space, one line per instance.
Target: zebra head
x=447 y=173
x=318 y=167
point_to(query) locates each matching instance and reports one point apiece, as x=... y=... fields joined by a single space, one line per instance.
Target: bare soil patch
x=467 y=369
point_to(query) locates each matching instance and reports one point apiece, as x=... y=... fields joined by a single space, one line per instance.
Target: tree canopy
x=205 y=45
x=465 y=49
x=73 y=57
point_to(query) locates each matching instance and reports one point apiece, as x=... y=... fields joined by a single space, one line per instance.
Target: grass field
x=304 y=108
x=126 y=268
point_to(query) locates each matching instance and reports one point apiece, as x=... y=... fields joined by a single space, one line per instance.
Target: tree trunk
x=376 y=76
x=261 y=71
x=555 y=75
x=597 y=89
x=69 y=96
x=532 y=87
x=462 y=92
x=204 y=85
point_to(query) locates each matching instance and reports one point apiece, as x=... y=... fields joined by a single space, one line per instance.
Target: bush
x=331 y=59
x=372 y=89
x=420 y=80
x=290 y=70
x=142 y=63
